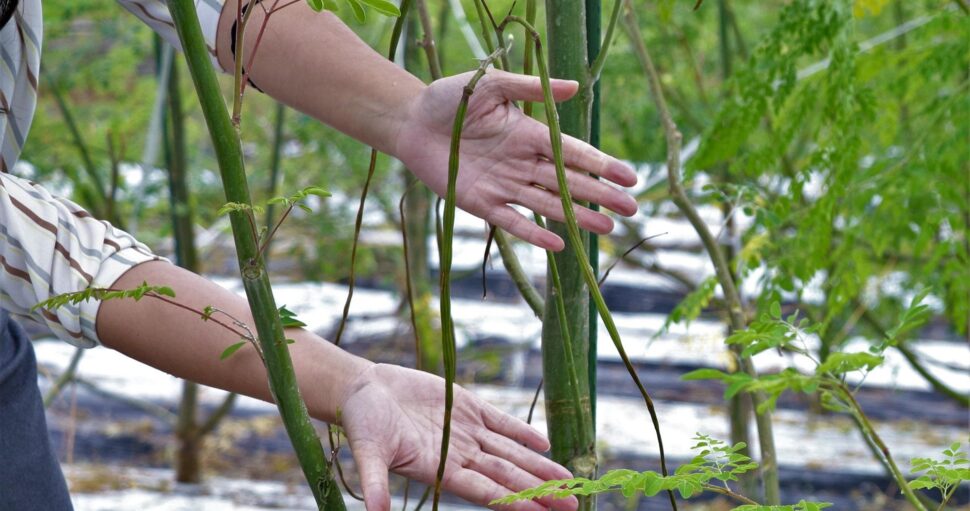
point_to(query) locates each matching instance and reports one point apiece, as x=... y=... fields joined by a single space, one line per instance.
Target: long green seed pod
x=445 y=251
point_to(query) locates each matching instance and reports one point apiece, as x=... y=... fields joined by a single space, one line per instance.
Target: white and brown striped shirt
x=49 y=245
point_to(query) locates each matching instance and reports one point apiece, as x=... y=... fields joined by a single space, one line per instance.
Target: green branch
x=372 y=166
x=408 y=287
x=870 y=432
x=722 y=269
x=66 y=377
x=279 y=366
x=518 y=275
x=596 y=69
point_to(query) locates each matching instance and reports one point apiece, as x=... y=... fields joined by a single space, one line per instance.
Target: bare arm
x=392 y=415
x=317 y=65
x=180 y=343
x=314 y=63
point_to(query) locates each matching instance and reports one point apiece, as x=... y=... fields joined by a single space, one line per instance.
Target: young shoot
x=715 y=465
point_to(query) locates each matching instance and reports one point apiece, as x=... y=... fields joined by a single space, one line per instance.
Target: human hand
x=393 y=418
x=506 y=157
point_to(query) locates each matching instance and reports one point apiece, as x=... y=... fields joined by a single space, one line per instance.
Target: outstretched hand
x=506 y=157
x=393 y=418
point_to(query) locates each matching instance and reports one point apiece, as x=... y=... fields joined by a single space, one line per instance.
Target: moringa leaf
x=358 y=10
x=231 y=350
x=384 y=7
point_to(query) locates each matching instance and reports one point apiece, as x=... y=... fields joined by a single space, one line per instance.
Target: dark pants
x=30 y=476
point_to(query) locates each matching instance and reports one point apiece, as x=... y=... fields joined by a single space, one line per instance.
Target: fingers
x=528 y=460
x=516 y=479
x=580 y=155
x=550 y=205
x=512 y=427
x=584 y=187
x=516 y=87
x=477 y=488
x=373 y=475
x=521 y=227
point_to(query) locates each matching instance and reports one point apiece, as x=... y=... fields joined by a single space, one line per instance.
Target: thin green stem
x=596 y=69
x=769 y=463
x=530 y=18
x=274 y=172
x=242 y=19
x=486 y=32
x=518 y=275
x=445 y=251
x=914 y=361
x=728 y=493
x=66 y=377
x=408 y=286
x=427 y=42
x=371 y=168
x=272 y=232
x=358 y=224
x=870 y=431
x=947 y=497
x=555 y=138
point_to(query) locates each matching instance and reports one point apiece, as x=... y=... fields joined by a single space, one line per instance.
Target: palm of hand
x=393 y=418
x=505 y=157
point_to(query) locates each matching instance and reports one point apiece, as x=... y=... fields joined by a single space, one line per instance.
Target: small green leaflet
x=840 y=363
x=382 y=6
x=943 y=474
x=288 y=318
x=716 y=461
x=231 y=350
x=103 y=294
x=358 y=10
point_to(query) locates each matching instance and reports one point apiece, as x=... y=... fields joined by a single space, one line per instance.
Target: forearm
x=180 y=343
x=317 y=65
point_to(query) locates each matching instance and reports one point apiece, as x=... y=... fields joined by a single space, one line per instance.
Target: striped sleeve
x=155 y=14
x=51 y=246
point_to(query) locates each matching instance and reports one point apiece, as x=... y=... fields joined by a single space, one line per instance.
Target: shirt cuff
x=209 y=13
x=110 y=271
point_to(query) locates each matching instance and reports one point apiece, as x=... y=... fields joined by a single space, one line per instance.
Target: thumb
x=373 y=475
x=516 y=87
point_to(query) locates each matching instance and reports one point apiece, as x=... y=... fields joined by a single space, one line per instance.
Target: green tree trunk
x=279 y=365
x=567 y=43
x=594 y=18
